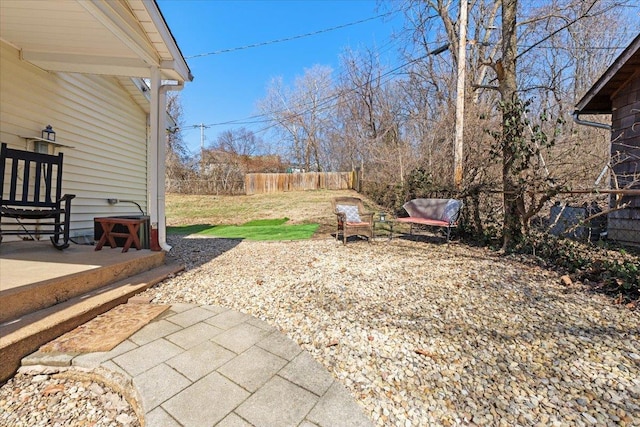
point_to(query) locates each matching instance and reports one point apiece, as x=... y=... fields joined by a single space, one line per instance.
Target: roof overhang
x=116 y=37
x=598 y=100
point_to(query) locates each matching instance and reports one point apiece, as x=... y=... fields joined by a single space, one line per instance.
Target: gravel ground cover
x=51 y=397
x=431 y=334
x=421 y=334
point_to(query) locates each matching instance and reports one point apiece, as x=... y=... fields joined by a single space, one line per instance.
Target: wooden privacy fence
x=256 y=183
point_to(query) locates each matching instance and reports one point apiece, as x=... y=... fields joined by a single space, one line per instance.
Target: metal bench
x=32 y=196
x=432 y=212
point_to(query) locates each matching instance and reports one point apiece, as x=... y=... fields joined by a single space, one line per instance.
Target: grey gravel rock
x=39 y=400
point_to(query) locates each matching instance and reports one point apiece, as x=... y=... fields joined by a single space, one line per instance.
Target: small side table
x=384 y=223
x=107 y=224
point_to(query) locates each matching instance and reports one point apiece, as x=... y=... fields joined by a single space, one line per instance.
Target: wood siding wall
x=624 y=225
x=256 y=183
x=104 y=132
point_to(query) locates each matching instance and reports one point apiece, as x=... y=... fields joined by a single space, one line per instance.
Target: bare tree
x=179 y=166
x=241 y=142
x=535 y=56
x=302 y=114
x=512 y=128
x=374 y=115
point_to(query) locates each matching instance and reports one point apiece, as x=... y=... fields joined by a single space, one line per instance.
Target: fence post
x=357 y=181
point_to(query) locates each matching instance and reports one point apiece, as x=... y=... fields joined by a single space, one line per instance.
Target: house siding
x=624 y=225
x=103 y=129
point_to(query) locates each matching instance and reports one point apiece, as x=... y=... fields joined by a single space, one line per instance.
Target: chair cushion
x=451 y=210
x=435 y=222
x=350 y=211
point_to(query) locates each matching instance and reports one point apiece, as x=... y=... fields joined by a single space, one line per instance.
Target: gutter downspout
x=152 y=156
x=156 y=155
x=578 y=120
x=161 y=159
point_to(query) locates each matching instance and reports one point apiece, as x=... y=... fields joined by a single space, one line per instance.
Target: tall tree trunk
x=506 y=69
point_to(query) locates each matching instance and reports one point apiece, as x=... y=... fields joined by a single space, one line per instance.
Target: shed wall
x=104 y=132
x=624 y=225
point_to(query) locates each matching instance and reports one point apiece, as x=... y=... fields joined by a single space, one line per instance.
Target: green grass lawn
x=188 y=213
x=262 y=229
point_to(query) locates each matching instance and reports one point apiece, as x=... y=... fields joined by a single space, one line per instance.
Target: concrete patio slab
x=147 y=356
x=155 y=330
x=232 y=420
x=240 y=337
x=201 y=360
x=337 y=408
x=307 y=373
x=192 y=316
x=194 y=335
x=278 y=402
x=159 y=384
x=228 y=319
x=206 y=402
x=159 y=417
x=280 y=345
x=253 y=368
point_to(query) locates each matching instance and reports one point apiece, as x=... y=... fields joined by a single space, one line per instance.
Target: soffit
x=115 y=37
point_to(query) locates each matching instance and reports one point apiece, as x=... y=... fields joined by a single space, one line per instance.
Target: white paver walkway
x=204 y=366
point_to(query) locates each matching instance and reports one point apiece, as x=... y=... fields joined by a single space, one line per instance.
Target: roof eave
x=584 y=105
x=178 y=64
x=123 y=38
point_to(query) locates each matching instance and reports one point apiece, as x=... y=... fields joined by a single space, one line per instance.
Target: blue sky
x=228 y=85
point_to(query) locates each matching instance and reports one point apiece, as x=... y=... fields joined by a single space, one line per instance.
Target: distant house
x=98 y=72
x=617 y=93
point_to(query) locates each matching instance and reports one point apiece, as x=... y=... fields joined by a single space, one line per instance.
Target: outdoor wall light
x=382 y=217
x=49 y=134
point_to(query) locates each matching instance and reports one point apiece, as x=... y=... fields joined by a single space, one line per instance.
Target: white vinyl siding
x=102 y=128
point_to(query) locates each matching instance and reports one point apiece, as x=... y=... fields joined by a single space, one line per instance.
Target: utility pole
x=202 y=127
x=462 y=62
x=201 y=147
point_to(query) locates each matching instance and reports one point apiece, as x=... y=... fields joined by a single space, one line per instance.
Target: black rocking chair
x=32 y=197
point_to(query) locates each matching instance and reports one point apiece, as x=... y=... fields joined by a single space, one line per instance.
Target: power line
x=326 y=102
x=263 y=118
x=384 y=78
x=575 y=48
x=202 y=127
x=286 y=39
